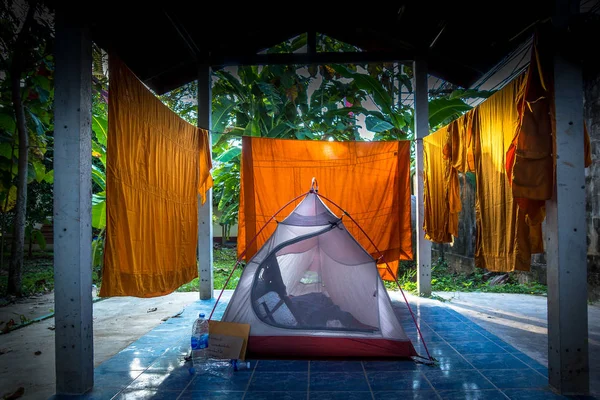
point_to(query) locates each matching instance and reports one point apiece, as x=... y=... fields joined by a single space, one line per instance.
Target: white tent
x=313 y=290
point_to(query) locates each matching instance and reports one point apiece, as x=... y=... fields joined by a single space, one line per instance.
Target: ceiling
x=461 y=40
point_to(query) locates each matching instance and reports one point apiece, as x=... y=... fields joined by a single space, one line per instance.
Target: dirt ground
x=27 y=353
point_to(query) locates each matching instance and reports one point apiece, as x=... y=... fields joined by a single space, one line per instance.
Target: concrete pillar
x=568 y=364
x=422 y=130
x=73 y=204
x=205 y=226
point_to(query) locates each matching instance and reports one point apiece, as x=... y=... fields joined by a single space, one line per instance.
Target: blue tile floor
x=472 y=364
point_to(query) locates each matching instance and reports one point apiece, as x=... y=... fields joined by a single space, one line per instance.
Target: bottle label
x=203 y=342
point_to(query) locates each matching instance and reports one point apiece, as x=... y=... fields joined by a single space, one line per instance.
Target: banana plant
x=99 y=151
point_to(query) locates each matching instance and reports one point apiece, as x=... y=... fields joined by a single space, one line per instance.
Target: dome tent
x=313 y=291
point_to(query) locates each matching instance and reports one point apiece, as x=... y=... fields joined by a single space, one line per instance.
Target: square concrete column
x=205 y=211
x=421 y=130
x=566 y=246
x=72 y=217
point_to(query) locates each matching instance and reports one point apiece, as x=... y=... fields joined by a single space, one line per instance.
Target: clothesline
x=213 y=132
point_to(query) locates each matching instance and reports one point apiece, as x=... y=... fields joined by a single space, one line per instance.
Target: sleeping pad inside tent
x=313 y=291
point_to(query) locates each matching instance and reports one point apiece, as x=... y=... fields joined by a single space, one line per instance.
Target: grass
x=443 y=280
x=38 y=277
x=38 y=274
x=223 y=261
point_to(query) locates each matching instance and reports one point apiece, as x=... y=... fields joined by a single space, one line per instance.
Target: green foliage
x=444 y=110
x=227 y=184
x=99 y=153
x=97 y=257
x=223 y=262
x=38 y=274
x=443 y=280
x=37 y=96
x=26 y=50
x=40 y=282
x=407 y=278
x=184 y=101
x=39 y=212
x=329 y=44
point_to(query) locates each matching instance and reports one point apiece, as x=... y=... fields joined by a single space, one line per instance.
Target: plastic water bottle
x=221 y=367
x=239 y=365
x=199 y=342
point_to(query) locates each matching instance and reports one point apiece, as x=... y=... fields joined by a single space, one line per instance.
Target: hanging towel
x=157 y=165
x=369 y=180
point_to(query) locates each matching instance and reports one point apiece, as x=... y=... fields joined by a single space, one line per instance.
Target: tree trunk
x=15 y=269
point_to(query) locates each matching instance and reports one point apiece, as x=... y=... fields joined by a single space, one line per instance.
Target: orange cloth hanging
x=446 y=152
x=205 y=179
x=437 y=175
x=369 y=180
x=530 y=161
x=157 y=165
x=504 y=239
x=461 y=131
x=508 y=141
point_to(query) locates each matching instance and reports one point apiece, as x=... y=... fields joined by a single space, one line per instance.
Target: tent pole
x=205 y=225
x=389 y=269
x=241 y=257
x=422 y=129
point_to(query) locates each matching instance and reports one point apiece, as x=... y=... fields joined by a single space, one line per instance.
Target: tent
x=313 y=291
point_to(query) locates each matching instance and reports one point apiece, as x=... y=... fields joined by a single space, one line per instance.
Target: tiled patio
x=473 y=364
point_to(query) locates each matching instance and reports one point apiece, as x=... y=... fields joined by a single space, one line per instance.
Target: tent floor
x=474 y=363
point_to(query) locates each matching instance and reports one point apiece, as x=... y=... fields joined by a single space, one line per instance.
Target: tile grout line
x=362 y=364
x=430 y=384
x=122 y=389
x=425 y=344
x=537 y=371
x=250 y=380
x=186 y=386
x=308 y=382
x=126 y=386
